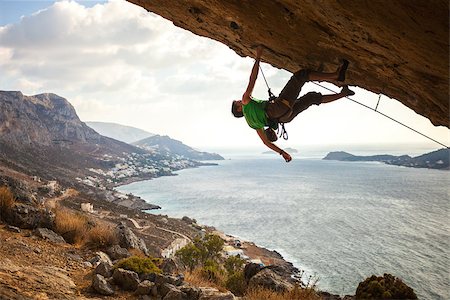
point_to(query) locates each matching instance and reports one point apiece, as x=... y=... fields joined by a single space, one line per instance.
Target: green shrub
x=189 y=256
x=236 y=283
x=140 y=265
x=213 y=272
x=200 y=251
x=210 y=247
x=386 y=287
x=234 y=264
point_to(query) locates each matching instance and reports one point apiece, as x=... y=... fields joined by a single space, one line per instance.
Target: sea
x=340 y=222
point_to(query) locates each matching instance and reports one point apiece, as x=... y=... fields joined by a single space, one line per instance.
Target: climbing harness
x=281 y=130
x=283 y=133
x=386 y=116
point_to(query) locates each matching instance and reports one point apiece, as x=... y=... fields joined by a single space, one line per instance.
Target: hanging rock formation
x=397 y=48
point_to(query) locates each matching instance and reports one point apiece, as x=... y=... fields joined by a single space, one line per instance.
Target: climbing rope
x=284 y=133
x=281 y=130
x=271 y=95
x=386 y=116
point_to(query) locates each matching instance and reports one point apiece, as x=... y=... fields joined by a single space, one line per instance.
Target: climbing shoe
x=343 y=69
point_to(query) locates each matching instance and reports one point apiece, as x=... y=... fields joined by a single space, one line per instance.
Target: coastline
x=250 y=249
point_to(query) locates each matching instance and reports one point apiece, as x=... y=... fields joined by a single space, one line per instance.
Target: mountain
x=126 y=134
x=438 y=159
x=44 y=119
x=166 y=145
x=344 y=156
x=42 y=136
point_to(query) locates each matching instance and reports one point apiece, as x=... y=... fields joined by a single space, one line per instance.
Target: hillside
x=166 y=145
x=438 y=159
x=42 y=136
x=126 y=134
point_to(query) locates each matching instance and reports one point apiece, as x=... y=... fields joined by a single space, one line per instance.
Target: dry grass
x=295 y=294
x=136 y=252
x=75 y=229
x=72 y=226
x=197 y=278
x=7 y=201
x=100 y=236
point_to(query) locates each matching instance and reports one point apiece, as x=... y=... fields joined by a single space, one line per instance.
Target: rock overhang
x=397 y=48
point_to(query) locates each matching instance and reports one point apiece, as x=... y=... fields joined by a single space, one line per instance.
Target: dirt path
x=53 y=202
x=136 y=224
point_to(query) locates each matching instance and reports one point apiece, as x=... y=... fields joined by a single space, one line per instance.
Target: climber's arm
x=272 y=146
x=253 y=76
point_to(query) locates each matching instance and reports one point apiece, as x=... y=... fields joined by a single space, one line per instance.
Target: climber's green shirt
x=255 y=113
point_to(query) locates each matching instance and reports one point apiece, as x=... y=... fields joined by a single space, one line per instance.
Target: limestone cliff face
x=45 y=119
x=397 y=48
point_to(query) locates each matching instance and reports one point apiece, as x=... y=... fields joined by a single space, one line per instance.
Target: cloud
x=117 y=62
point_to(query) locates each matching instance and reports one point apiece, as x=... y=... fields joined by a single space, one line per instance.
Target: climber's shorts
x=288 y=105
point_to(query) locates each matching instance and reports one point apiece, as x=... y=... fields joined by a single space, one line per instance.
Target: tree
x=189 y=256
x=210 y=247
x=234 y=264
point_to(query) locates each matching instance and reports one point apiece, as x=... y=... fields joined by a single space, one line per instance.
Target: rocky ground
x=37 y=265
x=32 y=268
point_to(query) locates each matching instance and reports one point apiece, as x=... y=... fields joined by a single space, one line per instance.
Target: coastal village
x=135 y=165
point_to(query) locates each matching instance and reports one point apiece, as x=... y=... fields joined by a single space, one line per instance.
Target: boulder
x=101 y=286
x=169 y=266
x=215 y=294
x=192 y=292
x=20 y=189
x=49 y=235
x=188 y=220
x=127 y=280
x=161 y=279
x=30 y=217
x=250 y=270
x=174 y=294
x=128 y=239
x=100 y=257
x=270 y=280
x=146 y=287
x=170 y=292
x=104 y=268
x=13 y=228
x=328 y=296
x=117 y=252
x=164 y=288
x=148 y=276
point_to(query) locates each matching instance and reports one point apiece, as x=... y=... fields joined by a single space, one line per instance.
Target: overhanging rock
x=397 y=48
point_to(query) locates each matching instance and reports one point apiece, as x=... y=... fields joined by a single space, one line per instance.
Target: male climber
x=286 y=106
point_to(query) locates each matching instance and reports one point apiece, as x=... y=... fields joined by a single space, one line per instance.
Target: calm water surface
x=342 y=221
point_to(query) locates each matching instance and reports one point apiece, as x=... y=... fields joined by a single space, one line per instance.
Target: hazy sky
x=116 y=62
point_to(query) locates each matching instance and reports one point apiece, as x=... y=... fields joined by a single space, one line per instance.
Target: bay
x=340 y=221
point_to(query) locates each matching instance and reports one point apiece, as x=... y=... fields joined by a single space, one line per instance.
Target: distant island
x=288 y=150
x=166 y=145
x=438 y=159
